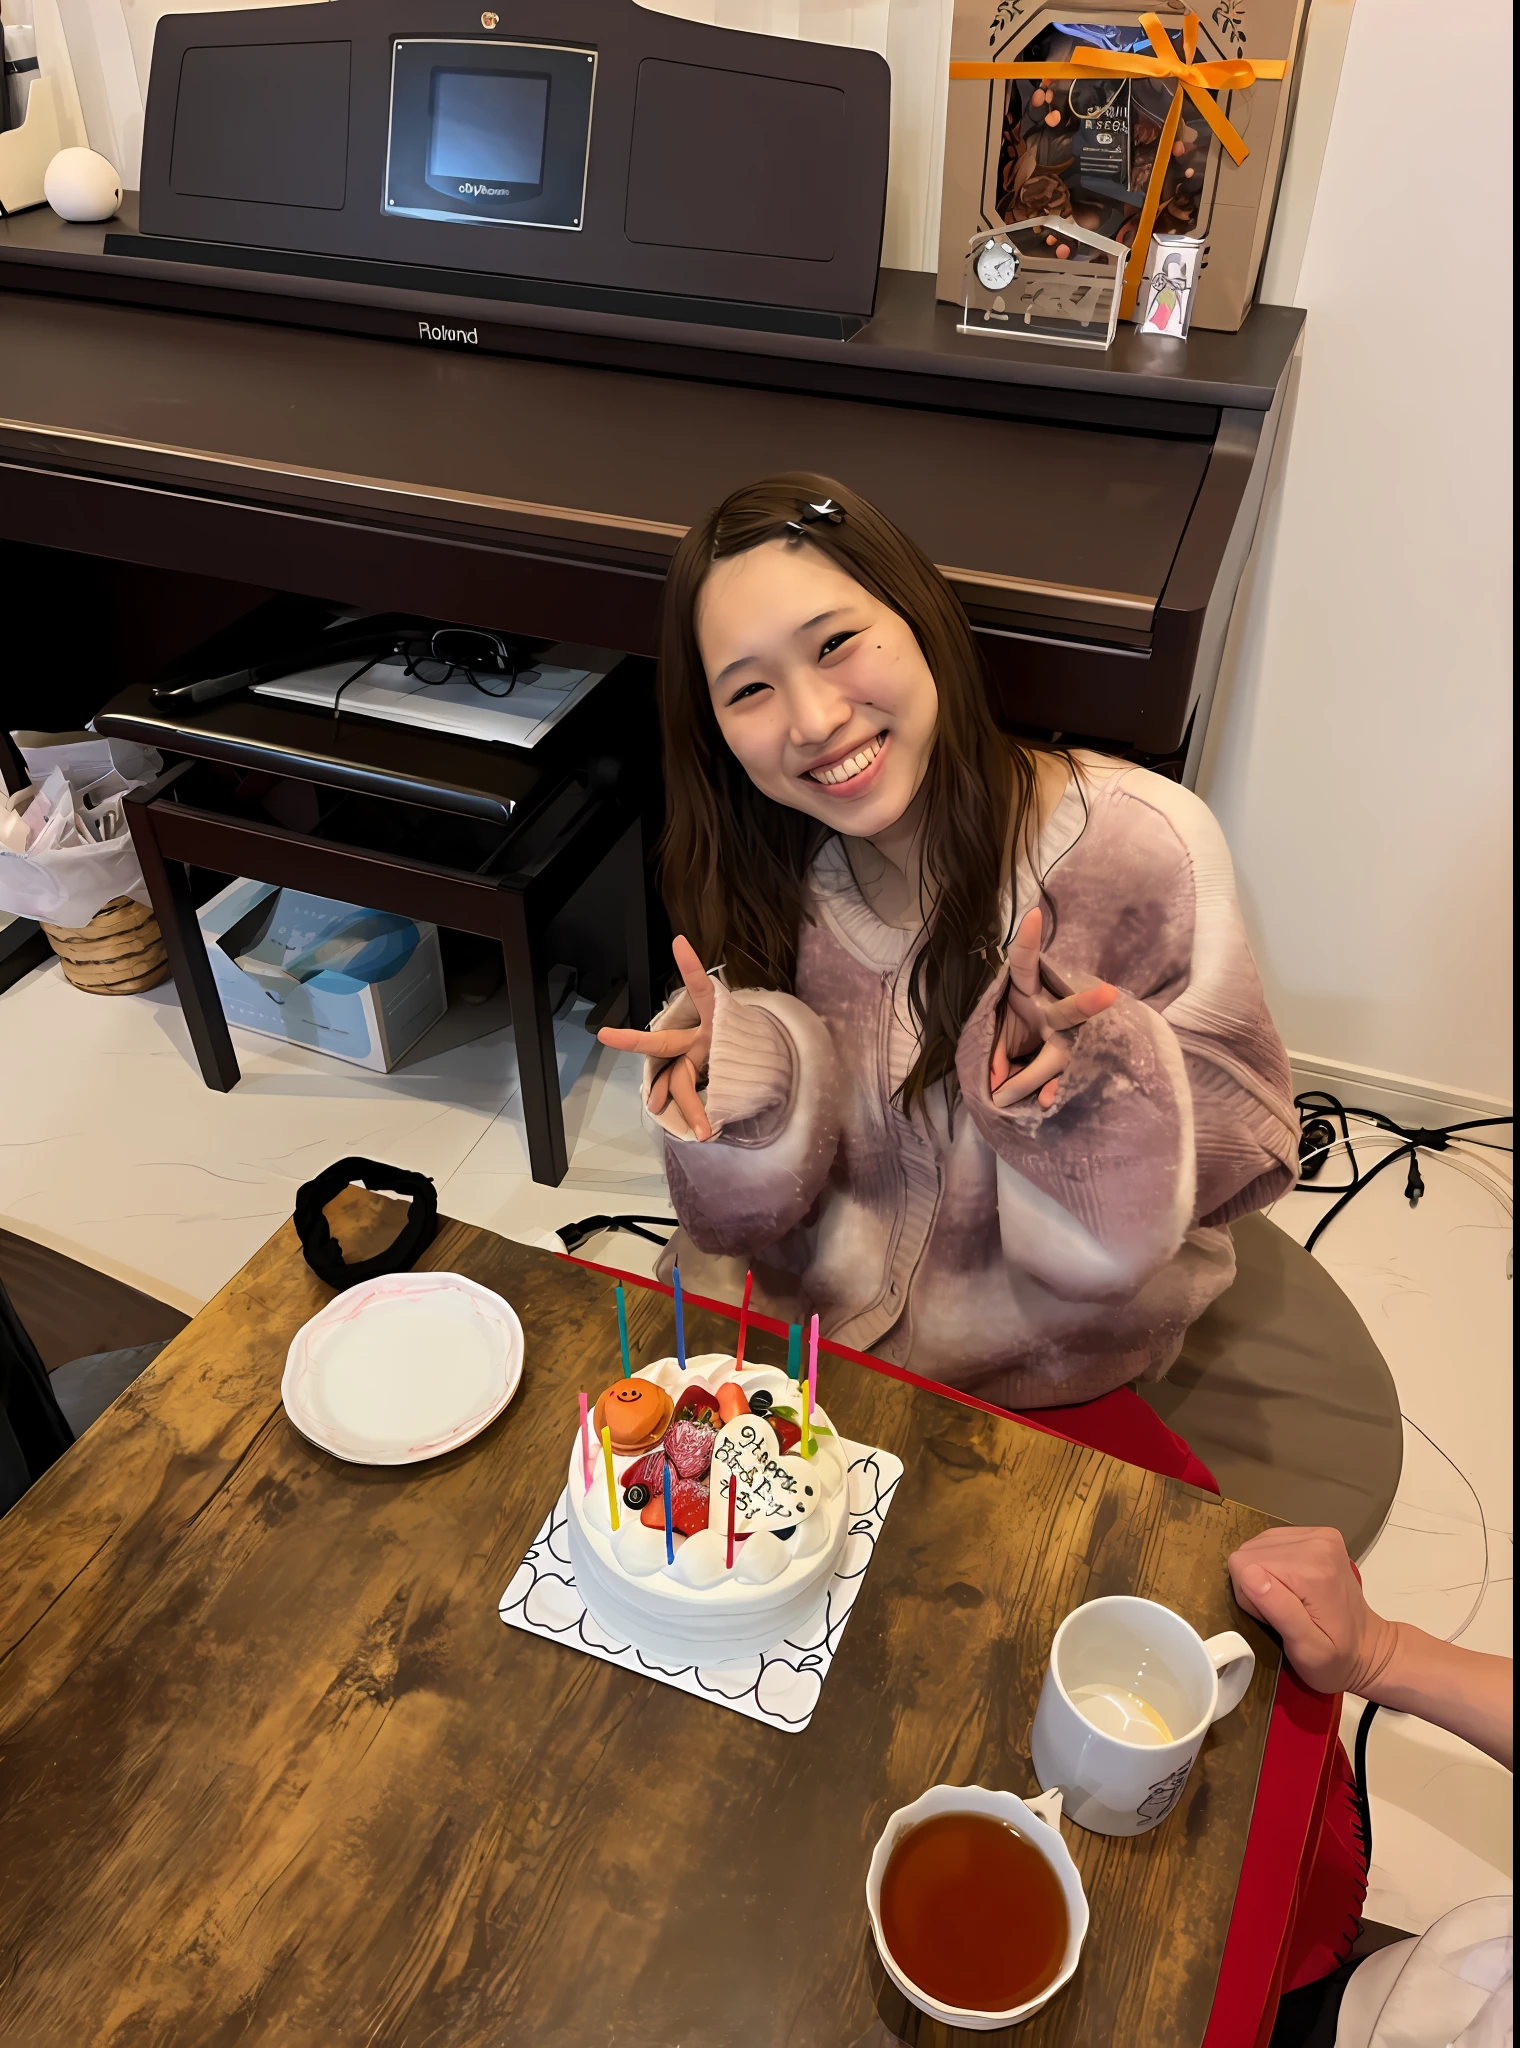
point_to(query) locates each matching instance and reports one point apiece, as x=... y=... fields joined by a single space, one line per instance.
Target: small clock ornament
x=992 y=264
x=997 y=263
x=1043 y=280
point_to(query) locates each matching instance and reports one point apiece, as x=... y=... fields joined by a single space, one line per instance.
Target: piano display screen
x=490 y=130
x=488 y=127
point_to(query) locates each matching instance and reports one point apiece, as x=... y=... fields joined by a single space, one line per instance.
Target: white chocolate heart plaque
x=775 y=1492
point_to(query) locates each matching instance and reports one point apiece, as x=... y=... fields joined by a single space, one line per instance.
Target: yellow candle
x=807 y=1431
x=612 y=1506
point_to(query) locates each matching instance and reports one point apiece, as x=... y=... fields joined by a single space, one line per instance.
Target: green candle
x=622 y=1308
x=794 y=1352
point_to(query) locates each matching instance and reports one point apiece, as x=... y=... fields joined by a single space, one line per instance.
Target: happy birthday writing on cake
x=768 y=1491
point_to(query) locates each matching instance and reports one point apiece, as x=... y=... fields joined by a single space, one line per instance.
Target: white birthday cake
x=728 y=1452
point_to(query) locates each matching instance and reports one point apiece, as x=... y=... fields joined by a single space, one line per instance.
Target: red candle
x=749 y=1281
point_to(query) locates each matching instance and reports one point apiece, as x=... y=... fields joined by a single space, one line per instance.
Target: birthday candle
x=670 y=1533
x=813 y=1363
x=794 y=1352
x=585 y=1445
x=807 y=1431
x=622 y=1309
x=749 y=1281
x=733 y=1497
x=680 y=1321
x=612 y=1506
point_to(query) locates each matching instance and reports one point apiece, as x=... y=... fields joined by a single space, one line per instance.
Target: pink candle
x=586 y=1465
x=749 y=1281
x=813 y=1363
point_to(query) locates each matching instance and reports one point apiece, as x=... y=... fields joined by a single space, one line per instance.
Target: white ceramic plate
x=403 y=1368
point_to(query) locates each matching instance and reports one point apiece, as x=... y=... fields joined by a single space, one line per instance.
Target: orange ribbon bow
x=1196 y=82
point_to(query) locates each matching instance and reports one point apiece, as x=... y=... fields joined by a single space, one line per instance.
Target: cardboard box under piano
x=360 y=984
x=1087 y=149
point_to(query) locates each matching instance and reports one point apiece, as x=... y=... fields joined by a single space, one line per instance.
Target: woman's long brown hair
x=733 y=862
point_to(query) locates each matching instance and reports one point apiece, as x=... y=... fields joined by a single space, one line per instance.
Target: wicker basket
x=118 y=953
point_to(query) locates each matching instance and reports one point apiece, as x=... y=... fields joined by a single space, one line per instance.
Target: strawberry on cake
x=726 y=1439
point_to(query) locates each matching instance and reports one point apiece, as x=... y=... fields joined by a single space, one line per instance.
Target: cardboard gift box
x=360 y=984
x=1127 y=122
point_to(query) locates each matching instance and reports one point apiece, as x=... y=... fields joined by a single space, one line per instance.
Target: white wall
x=1360 y=750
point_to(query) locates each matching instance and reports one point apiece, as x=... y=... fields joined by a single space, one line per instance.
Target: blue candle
x=622 y=1308
x=670 y=1529
x=680 y=1321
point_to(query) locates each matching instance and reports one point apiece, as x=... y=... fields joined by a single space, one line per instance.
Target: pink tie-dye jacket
x=1030 y=1256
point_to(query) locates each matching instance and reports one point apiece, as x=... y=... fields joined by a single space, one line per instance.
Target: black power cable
x=1359 y=1768
x=571 y=1235
x=1316 y=1108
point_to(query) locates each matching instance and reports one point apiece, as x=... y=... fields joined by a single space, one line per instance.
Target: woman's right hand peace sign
x=685 y=1053
x=1028 y=1054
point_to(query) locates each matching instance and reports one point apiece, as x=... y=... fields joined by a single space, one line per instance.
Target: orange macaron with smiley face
x=636 y=1412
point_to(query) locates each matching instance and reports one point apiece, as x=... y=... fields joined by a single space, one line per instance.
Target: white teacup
x=1039 y=1823
x=1152 y=1688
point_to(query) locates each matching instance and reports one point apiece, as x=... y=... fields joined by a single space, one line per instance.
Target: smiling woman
x=829 y=636
x=798 y=707
x=971 y=1056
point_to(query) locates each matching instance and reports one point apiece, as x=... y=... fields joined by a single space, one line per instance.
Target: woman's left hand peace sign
x=685 y=1052
x=1028 y=1058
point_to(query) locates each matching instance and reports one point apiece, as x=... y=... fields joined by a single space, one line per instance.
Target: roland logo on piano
x=438 y=330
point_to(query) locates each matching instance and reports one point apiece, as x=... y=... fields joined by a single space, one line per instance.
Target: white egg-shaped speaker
x=80 y=184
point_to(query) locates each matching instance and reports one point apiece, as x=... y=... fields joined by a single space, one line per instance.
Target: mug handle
x=1046 y=1806
x=1235 y=1661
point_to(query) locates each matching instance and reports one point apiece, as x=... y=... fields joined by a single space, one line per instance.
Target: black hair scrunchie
x=321 y=1248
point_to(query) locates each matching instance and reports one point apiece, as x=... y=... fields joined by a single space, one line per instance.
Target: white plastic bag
x=85 y=757
x=65 y=851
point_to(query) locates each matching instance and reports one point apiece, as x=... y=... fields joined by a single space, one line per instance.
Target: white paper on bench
x=520 y=720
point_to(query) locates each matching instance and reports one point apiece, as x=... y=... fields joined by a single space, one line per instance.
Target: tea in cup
x=977 y=1908
x=1118 y=1711
x=1130 y=1692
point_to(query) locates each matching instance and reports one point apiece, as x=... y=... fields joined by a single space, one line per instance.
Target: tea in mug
x=973 y=1913
x=1124 y=1715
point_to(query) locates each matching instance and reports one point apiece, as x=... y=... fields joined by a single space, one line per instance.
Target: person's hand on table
x=685 y=1052
x=1028 y=1058
x=1302 y=1583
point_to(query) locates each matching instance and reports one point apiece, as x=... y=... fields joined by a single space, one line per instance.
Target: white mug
x=1121 y=1648
x=1039 y=1822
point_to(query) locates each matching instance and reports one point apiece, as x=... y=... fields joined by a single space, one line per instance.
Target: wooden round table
x=1283 y=1394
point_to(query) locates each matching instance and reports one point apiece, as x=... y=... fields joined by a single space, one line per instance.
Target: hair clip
x=811 y=515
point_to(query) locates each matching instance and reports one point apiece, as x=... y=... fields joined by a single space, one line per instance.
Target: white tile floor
x=112 y=1151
